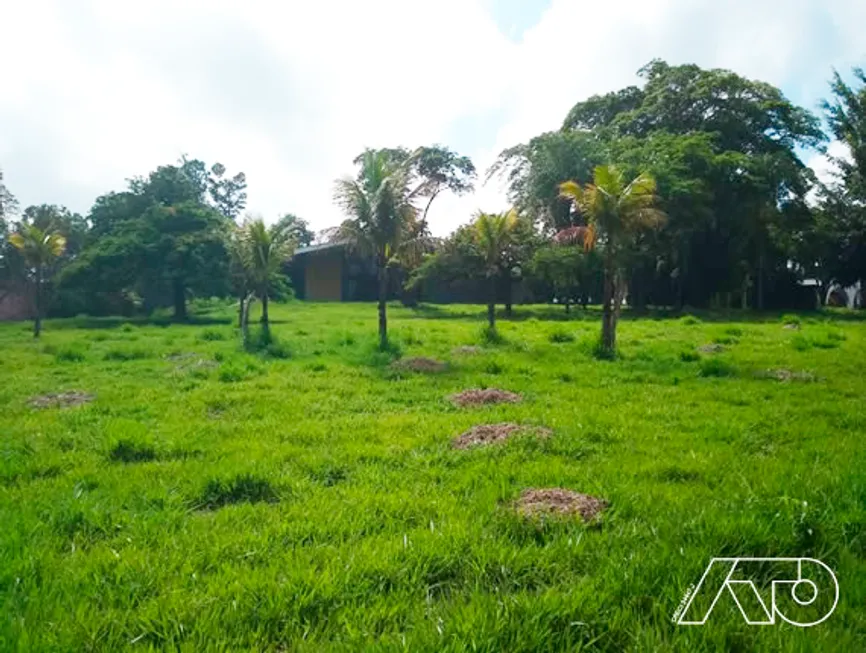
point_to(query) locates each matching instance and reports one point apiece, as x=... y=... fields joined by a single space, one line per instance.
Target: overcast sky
x=97 y=91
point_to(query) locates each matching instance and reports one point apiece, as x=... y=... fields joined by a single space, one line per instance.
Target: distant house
x=331 y=273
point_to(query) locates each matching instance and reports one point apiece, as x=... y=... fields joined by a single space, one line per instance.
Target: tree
x=383 y=220
x=297 y=229
x=616 y=213
x=263 y=251
x=228 y=194
x=39 y=248
x=8 y=203
x=570 y=271
x=494 y=233
x=843 y=204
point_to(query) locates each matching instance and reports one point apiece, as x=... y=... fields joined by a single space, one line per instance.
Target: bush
x=717 y=367
x=689 y=356
x=690 y=320
x=789 y=318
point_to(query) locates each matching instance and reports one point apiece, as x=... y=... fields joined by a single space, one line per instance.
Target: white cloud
x=98 y=91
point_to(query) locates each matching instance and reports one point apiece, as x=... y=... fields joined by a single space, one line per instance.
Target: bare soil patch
x=560 y=502
x=188 y=361
x=61 y=399
x=478 y=397
x=712 y=348
x=467 y=350
x=419 y=364
x=487 y=434
x=786 y=375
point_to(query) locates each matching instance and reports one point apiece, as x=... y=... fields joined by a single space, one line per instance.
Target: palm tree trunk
x=383 y=315
x=37 y=323
x=491 y=305
x=241 y=299
x=608 y=326
x=265 y=317
x=179 y=293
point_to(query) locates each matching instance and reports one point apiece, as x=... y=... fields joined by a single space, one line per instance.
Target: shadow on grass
x=114 y=322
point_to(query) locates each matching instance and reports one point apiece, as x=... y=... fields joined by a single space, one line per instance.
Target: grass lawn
x=210 y=499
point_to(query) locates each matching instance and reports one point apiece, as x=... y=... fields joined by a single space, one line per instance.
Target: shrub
x=789 y=318
x=689 y=356
x=717 y=367
x=690 y=320
x=734 y=331
x=725 y=340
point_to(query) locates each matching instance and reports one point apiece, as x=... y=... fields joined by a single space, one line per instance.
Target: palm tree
x=494 y=233
x=39 y=248
x=263 y=250
x=615 y=213
x=383 y=221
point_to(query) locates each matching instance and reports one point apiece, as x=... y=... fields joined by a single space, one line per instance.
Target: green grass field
x=310 y=499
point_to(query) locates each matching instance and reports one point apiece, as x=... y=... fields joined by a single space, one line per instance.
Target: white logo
x=802 y=591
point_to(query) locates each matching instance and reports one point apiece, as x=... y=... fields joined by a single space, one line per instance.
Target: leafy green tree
x=263 y=251
x=494 y=234
x=383 y=221
x=616 y=213
x=843 y=205
x=570 y=271
x=8 y=203
x=297 y=229
x=39 y=248
x=228 y=194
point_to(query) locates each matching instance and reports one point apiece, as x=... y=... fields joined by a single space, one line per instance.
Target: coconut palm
x=383 y=221
x=263 y=250
x=493 y=234
x=39 y=248
x=615 y=213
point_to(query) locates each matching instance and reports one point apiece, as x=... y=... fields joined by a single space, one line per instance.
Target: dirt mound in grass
x=477 y=397
x=711 y=349
x=467 y=350
x=785 y=375
x=561 y=502
x=486 y=434
x=420 y=364
x=61 y=399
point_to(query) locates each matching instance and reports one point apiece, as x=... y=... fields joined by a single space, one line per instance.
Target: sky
x=289 y=92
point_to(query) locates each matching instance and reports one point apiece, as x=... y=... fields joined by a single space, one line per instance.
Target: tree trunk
x=245 y=317
x=608 y=333
x=567 y=306
x=37 y=323
x=491 y=305
x=179 y=294
x=241 y=299
x=265 y=317
x=509 y=290
x=383 y=316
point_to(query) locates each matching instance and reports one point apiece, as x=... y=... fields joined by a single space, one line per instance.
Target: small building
x=330 y=272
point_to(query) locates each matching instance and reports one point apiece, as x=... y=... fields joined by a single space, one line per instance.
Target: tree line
x=689 y=189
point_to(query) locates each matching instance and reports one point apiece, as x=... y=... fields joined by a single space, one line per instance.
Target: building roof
x=318 y=248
